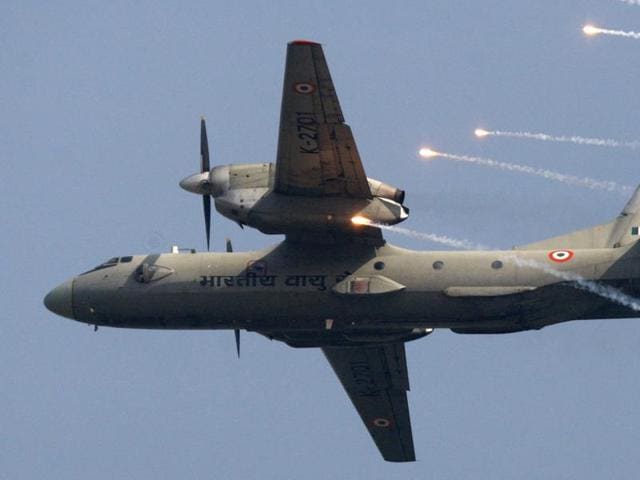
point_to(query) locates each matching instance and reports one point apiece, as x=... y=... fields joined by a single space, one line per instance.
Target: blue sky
x=99 y=112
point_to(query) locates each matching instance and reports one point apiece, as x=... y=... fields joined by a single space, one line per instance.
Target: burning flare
x=545 y=137
x=593 y=30
x=428 y=153
x=567 y=179
x=590 y=30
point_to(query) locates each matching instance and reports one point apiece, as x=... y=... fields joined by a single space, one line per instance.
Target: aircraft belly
x=310 y=310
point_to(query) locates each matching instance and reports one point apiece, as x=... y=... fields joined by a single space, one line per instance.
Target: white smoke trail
x=592 y=30
x=631 y=2
x=598 y=142
x=577 y=281
x=587 y=182
x=443 y=239
x=605 y=291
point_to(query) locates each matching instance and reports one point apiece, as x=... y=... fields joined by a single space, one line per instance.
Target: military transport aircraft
x=334 y=283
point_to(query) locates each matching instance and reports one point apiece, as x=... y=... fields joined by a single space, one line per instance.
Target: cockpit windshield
x=110 y=263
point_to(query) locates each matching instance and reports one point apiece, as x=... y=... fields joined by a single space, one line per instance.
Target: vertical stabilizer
x=625 y=227
x=621 y=231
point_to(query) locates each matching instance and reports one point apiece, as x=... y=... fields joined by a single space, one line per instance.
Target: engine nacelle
x=384 y=190
x=243 y=193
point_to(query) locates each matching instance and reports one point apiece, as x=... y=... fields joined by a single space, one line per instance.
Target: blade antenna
x=237 y=334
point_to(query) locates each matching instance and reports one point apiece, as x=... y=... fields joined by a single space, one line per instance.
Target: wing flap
x=376 y=380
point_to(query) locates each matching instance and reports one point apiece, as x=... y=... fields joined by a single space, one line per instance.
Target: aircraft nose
x=60 y=301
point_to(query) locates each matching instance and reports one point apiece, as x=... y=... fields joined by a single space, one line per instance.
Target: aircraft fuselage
x=354 y=288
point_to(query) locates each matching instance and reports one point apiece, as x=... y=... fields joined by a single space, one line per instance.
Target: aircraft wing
x=317 y=154
x=376 y=380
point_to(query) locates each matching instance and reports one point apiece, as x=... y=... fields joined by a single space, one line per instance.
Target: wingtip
x=303 y=42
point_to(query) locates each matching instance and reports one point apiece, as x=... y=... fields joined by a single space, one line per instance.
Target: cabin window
x=496 y=265
x=438 y=265
x=378 y=265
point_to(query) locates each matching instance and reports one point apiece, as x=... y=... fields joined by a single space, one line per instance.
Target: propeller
x=199 y=183
x=205 y=167
x=236 y=331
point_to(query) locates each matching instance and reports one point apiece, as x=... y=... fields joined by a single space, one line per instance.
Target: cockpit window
x=109 y=263
x=126 y=259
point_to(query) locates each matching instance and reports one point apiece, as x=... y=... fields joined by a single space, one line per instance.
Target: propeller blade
x=204 y=148
x=206 y=203
x=229 y=246
x=237 y=333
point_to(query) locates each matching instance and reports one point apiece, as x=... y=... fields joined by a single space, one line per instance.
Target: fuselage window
x=496 y=265
x=438 y=265
x=378 y=265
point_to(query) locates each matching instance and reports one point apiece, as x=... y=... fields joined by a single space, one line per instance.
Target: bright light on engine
x=360 y=220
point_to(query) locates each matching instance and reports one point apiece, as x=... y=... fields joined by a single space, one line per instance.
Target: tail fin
x=626 y=227
x=621 y=231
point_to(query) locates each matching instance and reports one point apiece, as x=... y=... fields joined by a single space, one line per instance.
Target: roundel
x=381 y=422
x=304 y=87
x=560 y=255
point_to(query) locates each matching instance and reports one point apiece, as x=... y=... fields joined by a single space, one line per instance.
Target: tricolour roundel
x=560 y=255
x=381 y=422
x=304 y=87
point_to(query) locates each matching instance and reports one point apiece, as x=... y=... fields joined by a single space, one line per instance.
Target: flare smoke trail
x=631 y=2
x=593 y=30
x=443 y=239
x=598 y=142
x=579 y=282
x=605 y=291
x=587 y=182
